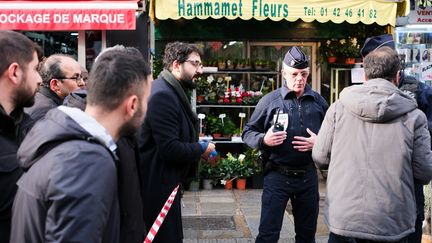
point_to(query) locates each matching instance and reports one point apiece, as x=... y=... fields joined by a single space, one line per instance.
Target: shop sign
x=69 y=17
x=354 y=11
x=421 y=12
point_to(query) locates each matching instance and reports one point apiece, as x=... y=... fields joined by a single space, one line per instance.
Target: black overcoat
x=168 y=149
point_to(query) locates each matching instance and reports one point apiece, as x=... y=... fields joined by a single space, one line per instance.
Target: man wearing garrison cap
x=283 y=127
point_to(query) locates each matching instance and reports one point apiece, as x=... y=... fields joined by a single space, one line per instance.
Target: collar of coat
x=168 y=77
x=308 y=92
x=51 y=95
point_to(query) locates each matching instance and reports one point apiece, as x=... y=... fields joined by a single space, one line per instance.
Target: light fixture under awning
x=382 y=12
x=68 y=15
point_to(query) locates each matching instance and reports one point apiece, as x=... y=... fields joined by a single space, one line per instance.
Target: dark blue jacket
x=305 y=112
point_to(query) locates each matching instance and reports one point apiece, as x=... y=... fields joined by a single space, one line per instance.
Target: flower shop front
x=244 y=41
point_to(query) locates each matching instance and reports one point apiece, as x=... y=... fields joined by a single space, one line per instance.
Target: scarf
x=184 y=100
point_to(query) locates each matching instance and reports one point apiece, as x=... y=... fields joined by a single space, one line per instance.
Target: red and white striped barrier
x=161 y=217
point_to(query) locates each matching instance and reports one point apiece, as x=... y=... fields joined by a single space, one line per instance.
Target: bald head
x=382 y=63
x=61 y=74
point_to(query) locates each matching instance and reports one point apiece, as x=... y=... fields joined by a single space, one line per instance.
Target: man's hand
x=210 y=148
x=304 y=144
x=272 y=139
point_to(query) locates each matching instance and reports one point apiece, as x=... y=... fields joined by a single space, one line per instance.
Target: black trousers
x=416 y=236
x=304 y=196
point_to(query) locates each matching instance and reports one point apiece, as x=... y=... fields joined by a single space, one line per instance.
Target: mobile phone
x=278 y=127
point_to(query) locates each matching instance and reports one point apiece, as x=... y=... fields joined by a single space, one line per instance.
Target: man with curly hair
x=169 y=144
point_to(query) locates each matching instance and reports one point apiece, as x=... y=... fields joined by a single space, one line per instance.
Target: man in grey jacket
x=375 y=141
x=61 y=75
x=68 y=192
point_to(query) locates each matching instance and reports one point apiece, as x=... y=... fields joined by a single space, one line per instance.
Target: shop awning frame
x=68 y=15
x=382 y=12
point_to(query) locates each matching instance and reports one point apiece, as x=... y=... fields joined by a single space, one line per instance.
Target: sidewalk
x=232 y=216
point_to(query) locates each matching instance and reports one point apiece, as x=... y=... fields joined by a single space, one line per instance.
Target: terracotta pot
x=241 y=183
x=200 y=98
x=217 y=135
x=350 y=60
x=331 y=59
x=228 y=184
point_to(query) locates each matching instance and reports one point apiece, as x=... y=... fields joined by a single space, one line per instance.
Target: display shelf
x=225 y=106
x=240 y=72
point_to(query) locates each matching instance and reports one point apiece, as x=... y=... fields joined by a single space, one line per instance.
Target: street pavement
x=228 y=216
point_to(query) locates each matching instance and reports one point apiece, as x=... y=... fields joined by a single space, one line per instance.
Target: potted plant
x=349 y=49
x=201 y=89
x=331 y=49
x=213 y=125
x=208 y=173
x=228 y=128
x=226 y=170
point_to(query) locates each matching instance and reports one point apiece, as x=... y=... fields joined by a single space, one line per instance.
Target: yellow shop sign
x=382 y=12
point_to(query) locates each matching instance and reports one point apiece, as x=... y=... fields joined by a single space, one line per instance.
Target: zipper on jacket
x=299 y=107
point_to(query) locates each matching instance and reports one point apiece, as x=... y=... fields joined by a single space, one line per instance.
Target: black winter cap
x=375 y=42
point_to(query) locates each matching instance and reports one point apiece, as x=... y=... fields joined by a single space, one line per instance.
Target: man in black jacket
x=169 y=139
x=61 y=75
x=68 y=192
x=19 y=81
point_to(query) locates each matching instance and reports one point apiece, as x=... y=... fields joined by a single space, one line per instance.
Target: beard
x=131 y=127
x=24 y=96
x=188 y=81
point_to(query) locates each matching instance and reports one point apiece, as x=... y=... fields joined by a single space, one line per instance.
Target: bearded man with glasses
x=168 y=143
x=61 y=75
x=284 y=126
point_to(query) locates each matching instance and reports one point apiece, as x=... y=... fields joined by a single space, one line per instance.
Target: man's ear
x=396 y=80
x=132 y=105
x=54 y=85
x=13 y=72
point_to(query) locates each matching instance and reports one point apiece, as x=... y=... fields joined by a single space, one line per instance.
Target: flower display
x=348 y=47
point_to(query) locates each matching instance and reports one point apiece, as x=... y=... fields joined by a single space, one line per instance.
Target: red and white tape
x=161 y=217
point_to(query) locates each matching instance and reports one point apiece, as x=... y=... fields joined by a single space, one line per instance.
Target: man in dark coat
x=61 y=74
x=19 y=81
x=169 y=140
x=68 y=192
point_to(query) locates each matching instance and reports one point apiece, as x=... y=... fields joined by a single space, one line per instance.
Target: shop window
x=55 y=42
x=93 y=46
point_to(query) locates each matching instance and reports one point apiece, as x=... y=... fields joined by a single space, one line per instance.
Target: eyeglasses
x=195 y=63
x=302 y=74
x=76 y=78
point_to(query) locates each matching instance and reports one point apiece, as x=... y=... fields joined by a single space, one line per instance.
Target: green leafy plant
x=331 y=47
x=228 y=127
x=209 y=171
x=227 y=167
x=213 y=124
x=202 y=86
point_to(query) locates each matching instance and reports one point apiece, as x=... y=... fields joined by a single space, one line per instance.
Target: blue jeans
x=303 y=192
